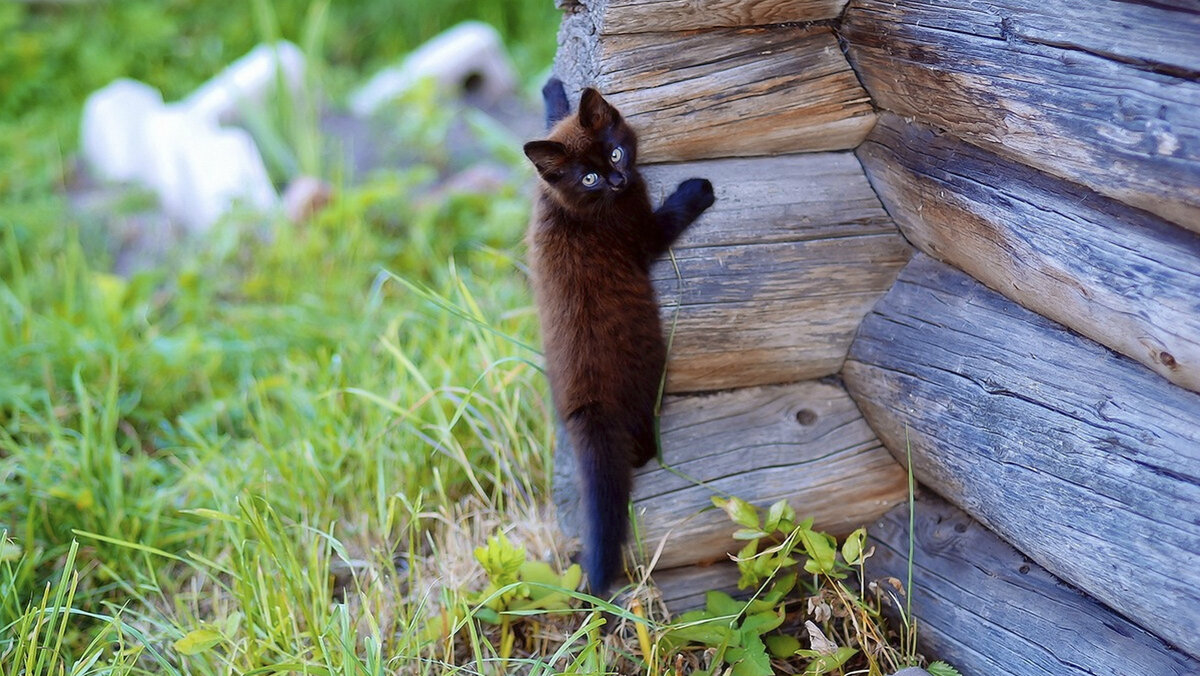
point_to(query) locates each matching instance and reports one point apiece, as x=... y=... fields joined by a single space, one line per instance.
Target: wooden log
x=648 y=16
x=1118 y=275
x=982 y=606
x=805 y=442
x=771 y=283
x=1081 y=458
x=722 y=92
x=1104 y=94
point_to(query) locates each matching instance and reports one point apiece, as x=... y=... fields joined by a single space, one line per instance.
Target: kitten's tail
x=606 y=477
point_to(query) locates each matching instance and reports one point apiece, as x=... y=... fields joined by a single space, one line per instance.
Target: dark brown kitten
x=591 y=241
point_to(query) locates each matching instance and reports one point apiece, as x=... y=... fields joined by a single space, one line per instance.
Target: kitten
x=591 y=241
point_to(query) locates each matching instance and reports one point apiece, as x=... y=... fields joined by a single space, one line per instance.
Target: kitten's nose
x=617 y=181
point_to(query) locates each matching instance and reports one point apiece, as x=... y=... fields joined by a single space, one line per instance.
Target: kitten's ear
x=595 y=113
x=547 y=156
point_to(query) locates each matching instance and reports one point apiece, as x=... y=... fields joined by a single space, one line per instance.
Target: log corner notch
x=1081 y=458
x=716 y=83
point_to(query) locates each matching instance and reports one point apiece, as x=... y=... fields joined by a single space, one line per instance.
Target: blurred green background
x=53 y=54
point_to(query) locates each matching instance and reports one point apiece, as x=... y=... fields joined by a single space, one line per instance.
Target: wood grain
x=771 y=283
x=805 y=442
x=1118 y=275
x=1083 y=459
x=645 y=16
x=1104 y=94
x=721 y=92
x=982 y=606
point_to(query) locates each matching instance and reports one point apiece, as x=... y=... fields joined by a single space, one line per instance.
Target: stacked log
x=1103 y=94
x=987 y=609
x=1083 y=459
x=762 y=296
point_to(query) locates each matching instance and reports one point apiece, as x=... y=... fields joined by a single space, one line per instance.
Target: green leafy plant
x=842 y=619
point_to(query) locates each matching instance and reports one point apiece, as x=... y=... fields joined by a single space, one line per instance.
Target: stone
x=466 y=59
x=249 y=81
x=112 y=129
x=304 y=197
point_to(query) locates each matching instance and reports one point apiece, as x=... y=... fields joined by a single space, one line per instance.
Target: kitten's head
x=589 y=158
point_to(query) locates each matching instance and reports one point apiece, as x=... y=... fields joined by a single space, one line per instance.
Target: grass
x=285 y=448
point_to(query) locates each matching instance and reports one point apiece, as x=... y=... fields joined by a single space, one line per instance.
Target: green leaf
x=781 y=646
x=852 y=548
x=941 y=668
x=774 y=514
x=750 y=660
x=740 y=511
x=760 y=623
x=197 y=641
x=488 y=615
x=705 y=630
x=824 y=664
x=820 y=549
x=749 y=534
x=721 y=604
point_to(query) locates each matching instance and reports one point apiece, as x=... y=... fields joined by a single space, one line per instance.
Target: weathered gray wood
x=1118 y=275
x=722 y=92
x=684 y=589
x=647 y=16
x=982 y=606
x=805 y=442
x=1101 y=93
x=1081 y=458
x=771 y=283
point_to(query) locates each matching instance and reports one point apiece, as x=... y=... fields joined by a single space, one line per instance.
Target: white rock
x=249 y=80
x=200 y=170
x=112 y=129
x=467 y=56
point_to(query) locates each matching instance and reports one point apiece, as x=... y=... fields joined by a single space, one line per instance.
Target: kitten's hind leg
x=680 y=209
x=557 y=106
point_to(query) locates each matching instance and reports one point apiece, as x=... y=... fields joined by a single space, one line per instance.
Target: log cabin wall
x=763 y=294
x=1039 y=357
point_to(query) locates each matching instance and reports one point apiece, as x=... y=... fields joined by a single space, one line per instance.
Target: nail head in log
x=1100 y=93
x=723 y=92
x=1121 y=276
x=804 y=442
x=1083 y=459
x=982 y=606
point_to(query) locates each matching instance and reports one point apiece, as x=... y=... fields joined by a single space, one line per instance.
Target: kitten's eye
x=590 y=179
x=617 y=154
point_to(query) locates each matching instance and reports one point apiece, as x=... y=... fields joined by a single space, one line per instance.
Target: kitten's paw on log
x=696 y=193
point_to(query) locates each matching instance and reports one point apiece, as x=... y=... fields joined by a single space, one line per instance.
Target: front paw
x=697 y=194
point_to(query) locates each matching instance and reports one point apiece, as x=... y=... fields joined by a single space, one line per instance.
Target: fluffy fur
x=591 y=241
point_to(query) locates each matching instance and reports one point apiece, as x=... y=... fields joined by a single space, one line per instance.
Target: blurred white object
x=249 y=80
x=468 y=57
x=112 y=129
x=197 y=168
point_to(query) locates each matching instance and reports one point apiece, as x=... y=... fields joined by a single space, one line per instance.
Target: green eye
x=590 y=179
x=617 y=154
